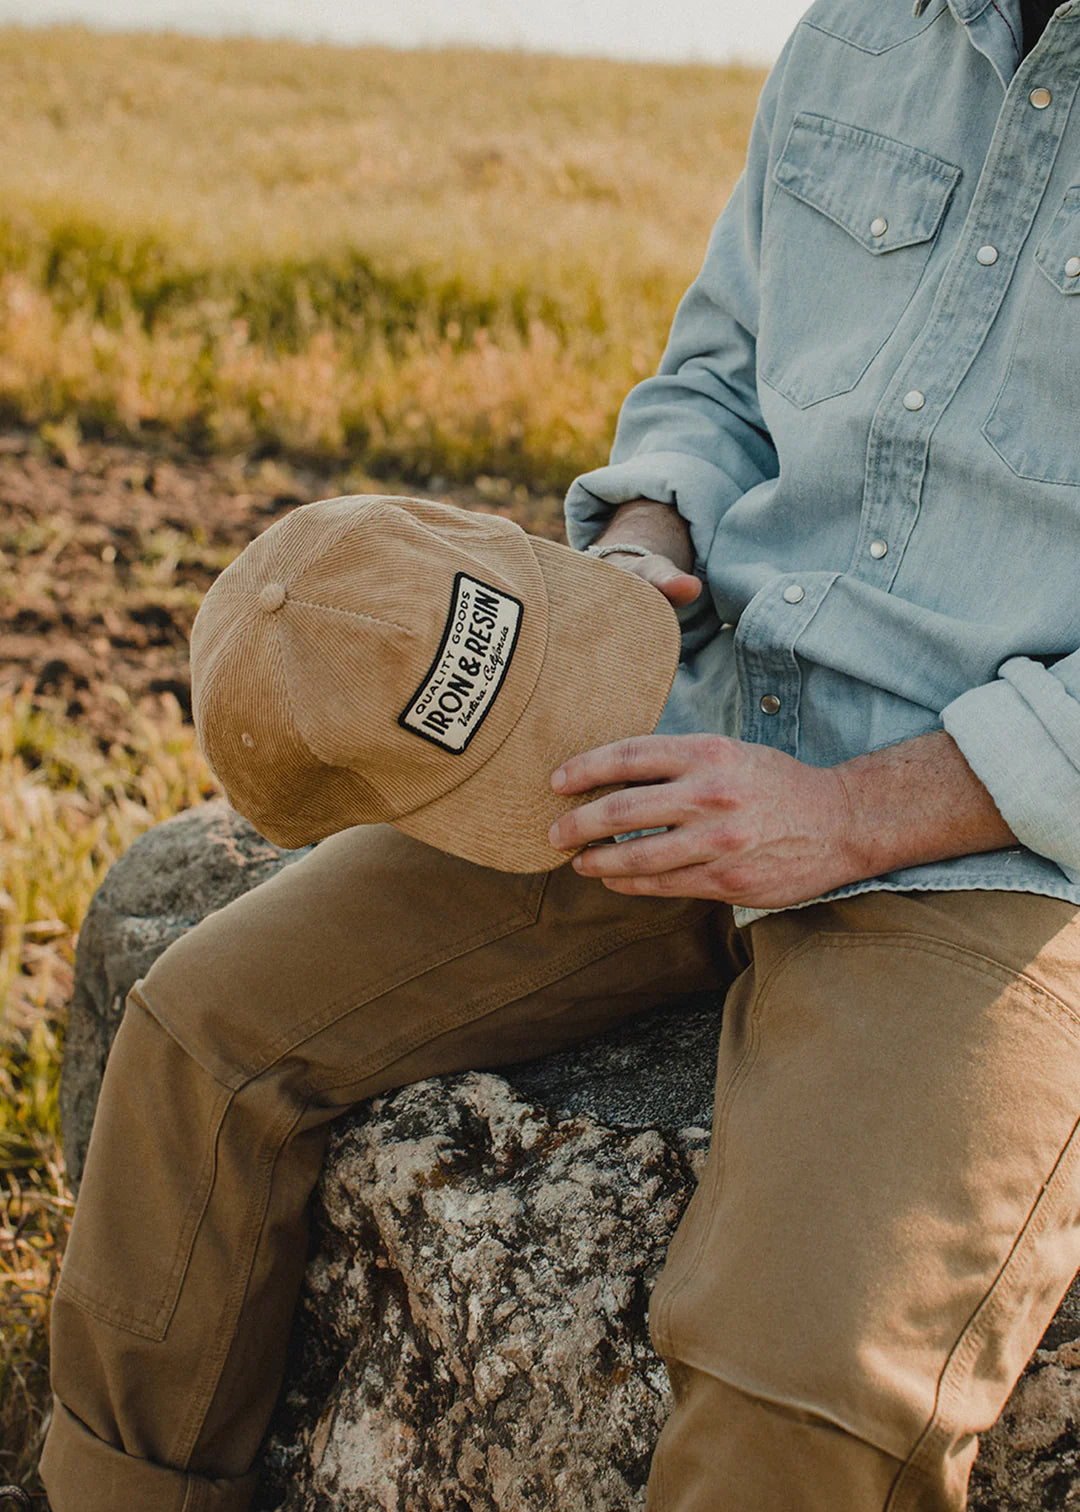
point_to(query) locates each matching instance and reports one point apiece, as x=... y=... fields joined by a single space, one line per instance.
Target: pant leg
x=890 y=1210
x=369 y=963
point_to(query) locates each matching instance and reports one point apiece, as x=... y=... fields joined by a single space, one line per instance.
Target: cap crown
x=365 y=652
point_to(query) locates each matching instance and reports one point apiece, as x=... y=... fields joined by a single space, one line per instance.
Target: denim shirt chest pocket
x=848 y=233
x=1033 y=424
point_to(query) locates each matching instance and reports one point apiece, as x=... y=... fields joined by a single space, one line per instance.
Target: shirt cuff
x=697 y=489
x=1021 y=737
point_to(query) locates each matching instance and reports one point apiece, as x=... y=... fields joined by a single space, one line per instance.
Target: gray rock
x=169 y=879
x=480 y=1286
x=472 y=1332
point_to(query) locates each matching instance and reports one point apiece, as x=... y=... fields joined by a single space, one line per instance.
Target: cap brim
x=610 y=660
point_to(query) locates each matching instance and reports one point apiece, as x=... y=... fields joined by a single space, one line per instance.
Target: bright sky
x=712 y=30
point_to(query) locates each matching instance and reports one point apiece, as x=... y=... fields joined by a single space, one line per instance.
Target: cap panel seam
x=479 y=533
x=275 y=556
x=372 y=619
x=372 y=792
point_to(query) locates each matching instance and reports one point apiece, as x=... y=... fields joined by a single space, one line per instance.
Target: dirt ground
x=106 y=551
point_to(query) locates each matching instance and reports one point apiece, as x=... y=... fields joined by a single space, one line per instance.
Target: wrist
x=616 y=548
x=653 y=526
x=915 y=803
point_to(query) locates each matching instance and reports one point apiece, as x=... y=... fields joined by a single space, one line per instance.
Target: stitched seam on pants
x=933 y=945
x=738 y=1077
x=154 y=1325
x=796 y=1406
x=973 y=962
x=934 y=1440
x=147 y=1007
x=507 y=992
x=328 y=1014
x=225 y=1332
x=662 y=1501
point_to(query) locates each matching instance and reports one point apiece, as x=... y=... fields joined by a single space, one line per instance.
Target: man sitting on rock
x=857 y=477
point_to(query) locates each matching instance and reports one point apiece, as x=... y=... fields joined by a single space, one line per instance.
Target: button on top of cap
x=272 y=596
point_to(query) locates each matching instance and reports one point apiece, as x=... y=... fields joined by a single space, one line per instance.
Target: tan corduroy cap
x=370 y=659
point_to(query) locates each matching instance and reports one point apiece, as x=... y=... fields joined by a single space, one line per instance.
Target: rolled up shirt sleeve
x=1020 y=734
x=693 y=436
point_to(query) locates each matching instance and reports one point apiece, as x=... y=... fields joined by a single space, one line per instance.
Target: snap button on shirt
x=793 y=594
x=878 y=549
x=1072 y=268
x=878 y=226
x=914 y=399
x=987 y=255
x=1040 y=98
x=770 y=704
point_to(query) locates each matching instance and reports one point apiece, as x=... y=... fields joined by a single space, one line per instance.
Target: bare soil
x=91 y=600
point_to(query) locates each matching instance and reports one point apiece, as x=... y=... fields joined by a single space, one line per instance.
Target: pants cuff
x=81 y=1473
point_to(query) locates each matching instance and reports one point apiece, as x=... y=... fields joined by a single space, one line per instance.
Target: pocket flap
x=882 y=192
x=1059 y=251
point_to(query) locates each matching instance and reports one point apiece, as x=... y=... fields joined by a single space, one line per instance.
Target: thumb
x=678 y=587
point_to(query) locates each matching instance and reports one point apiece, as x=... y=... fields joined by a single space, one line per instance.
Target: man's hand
x=747 y=824
x=750 y=825
x=666 y=536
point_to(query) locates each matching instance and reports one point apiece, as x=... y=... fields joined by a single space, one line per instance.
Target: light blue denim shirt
x=868 y=412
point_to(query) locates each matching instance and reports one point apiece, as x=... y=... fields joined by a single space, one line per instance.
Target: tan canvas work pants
x=888 y=1217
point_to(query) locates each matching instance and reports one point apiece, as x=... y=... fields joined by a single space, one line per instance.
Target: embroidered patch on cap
x=466 y=675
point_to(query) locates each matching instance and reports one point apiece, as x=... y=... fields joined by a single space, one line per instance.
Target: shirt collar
x=963 y=10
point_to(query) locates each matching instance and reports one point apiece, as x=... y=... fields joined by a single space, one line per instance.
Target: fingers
x=678 y=587
x=648 y=857
x=642 y=758
x=614 y=814
x=686 y=882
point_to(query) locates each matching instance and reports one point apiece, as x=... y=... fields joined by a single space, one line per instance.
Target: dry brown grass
x=68 y=810
x=440 y=263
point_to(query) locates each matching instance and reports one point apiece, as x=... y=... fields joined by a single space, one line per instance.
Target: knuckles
x=631 y=755
x=711 y=791
x=620 y=809
x=729 y=883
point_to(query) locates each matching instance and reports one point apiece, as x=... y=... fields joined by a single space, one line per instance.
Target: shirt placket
x=1012 y=184
x=769 y=677
x=1011 y=187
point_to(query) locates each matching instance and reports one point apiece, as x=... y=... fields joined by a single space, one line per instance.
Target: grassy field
x=440 y=269
x=433 y=264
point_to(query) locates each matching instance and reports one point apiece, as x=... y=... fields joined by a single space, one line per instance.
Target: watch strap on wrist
x=610 y=548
